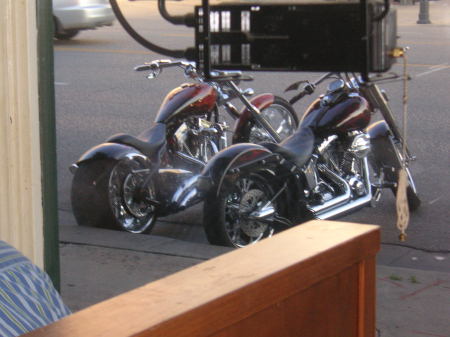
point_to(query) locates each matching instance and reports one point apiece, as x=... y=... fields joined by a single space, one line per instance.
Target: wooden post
x=47 y=126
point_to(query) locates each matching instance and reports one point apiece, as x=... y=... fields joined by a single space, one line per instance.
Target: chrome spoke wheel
x=282 y=119
x=249 y=194
x=129 y=195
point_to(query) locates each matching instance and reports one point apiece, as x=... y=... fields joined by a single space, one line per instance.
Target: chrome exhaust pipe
x=344 y=198
x=349 y=206
x=267 y=212
x=187 y=194
x=341 y=210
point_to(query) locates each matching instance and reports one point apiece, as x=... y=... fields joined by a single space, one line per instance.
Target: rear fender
x=106 y=151
x=236 y=156
x=261 y=102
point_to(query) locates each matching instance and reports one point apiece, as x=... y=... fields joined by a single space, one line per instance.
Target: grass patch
x=394 y=277
x=413 y=279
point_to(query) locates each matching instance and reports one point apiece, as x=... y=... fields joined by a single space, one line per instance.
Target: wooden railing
x=315 y=280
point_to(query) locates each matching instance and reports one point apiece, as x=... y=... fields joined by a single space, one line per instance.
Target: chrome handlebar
x=155 y=68
x=353 y=82
x=221 y=80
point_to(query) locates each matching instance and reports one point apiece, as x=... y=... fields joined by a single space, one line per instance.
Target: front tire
x=411 y=190
x=227 y=216
x=109 y=194
x=414 y=201
x=281 y=116
x=389 y=162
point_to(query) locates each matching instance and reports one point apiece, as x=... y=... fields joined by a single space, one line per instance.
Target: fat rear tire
x=221 y=212
x=89 y=194
x=99 y=197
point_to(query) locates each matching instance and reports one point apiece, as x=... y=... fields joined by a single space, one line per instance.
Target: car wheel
x=66 y=34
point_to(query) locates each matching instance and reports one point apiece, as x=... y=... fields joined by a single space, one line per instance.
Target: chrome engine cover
x=360 y=146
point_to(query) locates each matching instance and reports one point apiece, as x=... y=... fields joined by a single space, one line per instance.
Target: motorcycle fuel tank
x=189 y=99
x=349 y=114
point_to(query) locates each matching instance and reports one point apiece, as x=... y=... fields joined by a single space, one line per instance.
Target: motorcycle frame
x=382 y=134
x=235 y=160
x=186 y=194
x=371 y=92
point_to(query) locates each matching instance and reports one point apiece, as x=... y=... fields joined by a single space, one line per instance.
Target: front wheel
x=114 y=194
x=230 y=218
x=280 y=115
x=411 y=191
x=388 y=159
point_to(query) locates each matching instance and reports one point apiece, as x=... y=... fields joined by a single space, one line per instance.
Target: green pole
x=48 y=139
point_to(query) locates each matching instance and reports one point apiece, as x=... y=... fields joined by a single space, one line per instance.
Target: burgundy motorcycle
x=127 y=182
x=333 y=164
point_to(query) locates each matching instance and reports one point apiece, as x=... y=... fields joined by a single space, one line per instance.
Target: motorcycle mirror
x=143 y=67
x=189 y=70
x=248 y=92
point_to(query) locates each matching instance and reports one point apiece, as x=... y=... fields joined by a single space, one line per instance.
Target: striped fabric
x=28 y=299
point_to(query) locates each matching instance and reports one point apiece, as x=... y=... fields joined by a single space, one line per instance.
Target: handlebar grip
x=143 y=67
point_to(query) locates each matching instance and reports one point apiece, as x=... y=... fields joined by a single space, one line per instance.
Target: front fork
x=256 y=113
x=373 y=94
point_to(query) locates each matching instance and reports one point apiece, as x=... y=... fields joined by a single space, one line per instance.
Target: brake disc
x=250 y=201
x=135 y=202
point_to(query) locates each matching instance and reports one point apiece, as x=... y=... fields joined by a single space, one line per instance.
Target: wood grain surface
x=317 y=279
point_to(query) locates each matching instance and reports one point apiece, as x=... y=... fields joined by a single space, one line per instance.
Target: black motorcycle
x=333 y=164
x=127 y=182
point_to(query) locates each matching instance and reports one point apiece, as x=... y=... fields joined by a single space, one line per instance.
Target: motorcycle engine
x=351 y=164
x=360 y=146
x=338 y=161
x=201 y=139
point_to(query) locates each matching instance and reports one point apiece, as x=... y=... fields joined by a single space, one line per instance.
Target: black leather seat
x=150 y=142
x=297 y=148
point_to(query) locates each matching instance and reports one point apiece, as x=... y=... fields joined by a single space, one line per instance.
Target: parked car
x=71 y=16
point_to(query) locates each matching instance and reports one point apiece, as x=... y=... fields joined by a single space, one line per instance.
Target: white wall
x=21 y=216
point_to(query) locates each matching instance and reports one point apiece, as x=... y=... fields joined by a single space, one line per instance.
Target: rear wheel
x=230 y=218
x=281 y=116
x=113 y=194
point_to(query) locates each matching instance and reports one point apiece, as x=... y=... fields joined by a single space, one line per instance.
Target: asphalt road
x=98 y=94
